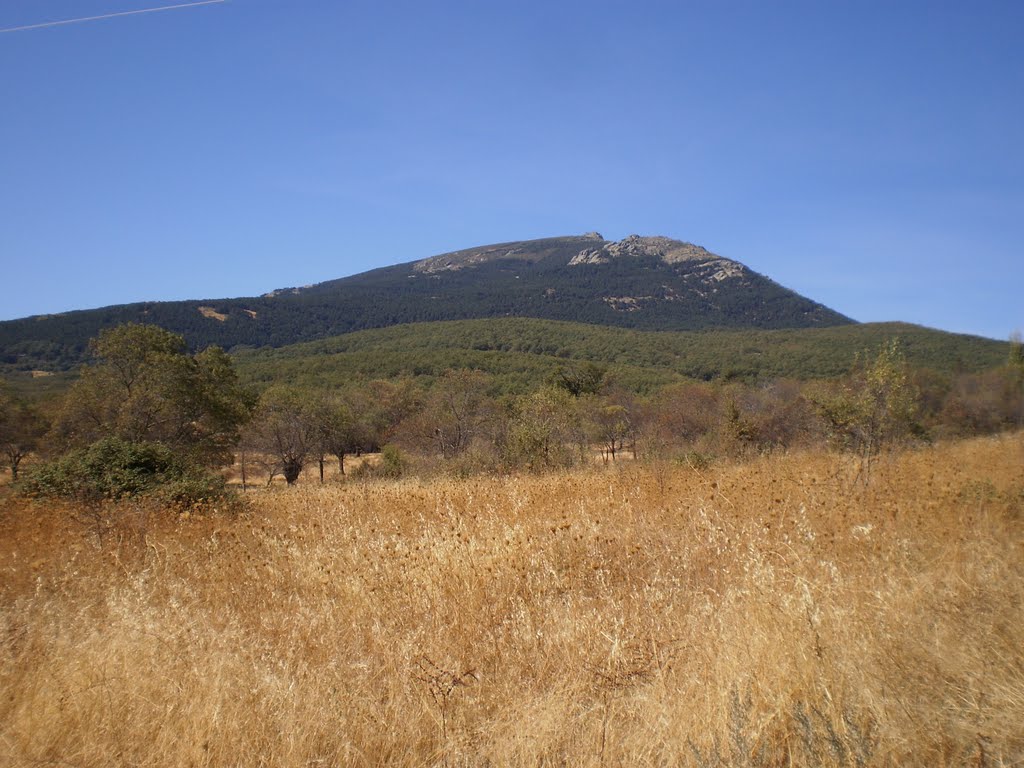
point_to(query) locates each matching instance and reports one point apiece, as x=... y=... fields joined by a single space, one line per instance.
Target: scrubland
x=772 y=613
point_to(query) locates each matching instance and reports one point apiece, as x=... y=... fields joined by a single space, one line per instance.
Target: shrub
x=393 y=462
x=113 y=468
x=194 y=489
x=697 y=460
x=876 y=407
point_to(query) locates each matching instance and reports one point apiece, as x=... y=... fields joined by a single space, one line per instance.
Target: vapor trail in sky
x=109 y=15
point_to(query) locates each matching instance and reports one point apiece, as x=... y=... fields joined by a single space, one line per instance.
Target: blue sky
x=869 y=155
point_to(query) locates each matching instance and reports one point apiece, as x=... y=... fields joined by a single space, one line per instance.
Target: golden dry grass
x=767 y=614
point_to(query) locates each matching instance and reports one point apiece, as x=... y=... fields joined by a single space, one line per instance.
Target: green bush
x=196 y=489
x=698 y=460
x=393 y=462
x=112 y=468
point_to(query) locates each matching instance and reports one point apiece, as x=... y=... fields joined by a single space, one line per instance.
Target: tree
x=545 y=430
x=875 y=407
x=989 y=401
x=770 y=415
x=1016 y=356
x=456 y=412
x=684 y=413
x=1015 y=374
x=612 y=421
x=21 y=429
x=337 y=433
x=144 y=387
x=378 y=409
x=610 y=425
x=285 y=431
x=587 y=378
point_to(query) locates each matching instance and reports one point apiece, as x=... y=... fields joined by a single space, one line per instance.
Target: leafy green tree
x=582 y=379
x=1016 y=357
x=337 y=433
x=612 y=422
x=144 y=387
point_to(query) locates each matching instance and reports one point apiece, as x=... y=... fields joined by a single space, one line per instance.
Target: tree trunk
x=291 y=470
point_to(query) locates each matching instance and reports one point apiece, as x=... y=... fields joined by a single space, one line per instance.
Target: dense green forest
x=520 y=352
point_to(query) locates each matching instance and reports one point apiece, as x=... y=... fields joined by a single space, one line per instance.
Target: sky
x=869 y=155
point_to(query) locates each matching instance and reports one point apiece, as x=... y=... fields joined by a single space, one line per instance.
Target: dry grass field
x=773 y=613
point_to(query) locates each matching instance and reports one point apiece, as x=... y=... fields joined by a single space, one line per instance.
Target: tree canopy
x=144 y=387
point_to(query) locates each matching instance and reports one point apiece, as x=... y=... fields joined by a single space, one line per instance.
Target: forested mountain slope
x=520 y=352
x=647 y=283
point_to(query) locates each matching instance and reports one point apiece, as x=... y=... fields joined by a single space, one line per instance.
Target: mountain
x=646 y=283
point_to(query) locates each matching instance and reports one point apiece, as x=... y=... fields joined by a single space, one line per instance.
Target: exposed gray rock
x=589 y=256
x=460 y=259
x=668 y=250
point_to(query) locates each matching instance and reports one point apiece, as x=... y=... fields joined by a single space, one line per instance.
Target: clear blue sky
x=869 y=155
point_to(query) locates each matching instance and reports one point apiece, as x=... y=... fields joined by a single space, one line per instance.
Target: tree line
x=150 y=417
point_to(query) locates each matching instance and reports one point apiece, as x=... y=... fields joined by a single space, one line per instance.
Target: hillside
x=519 y=352
x=647 y=283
